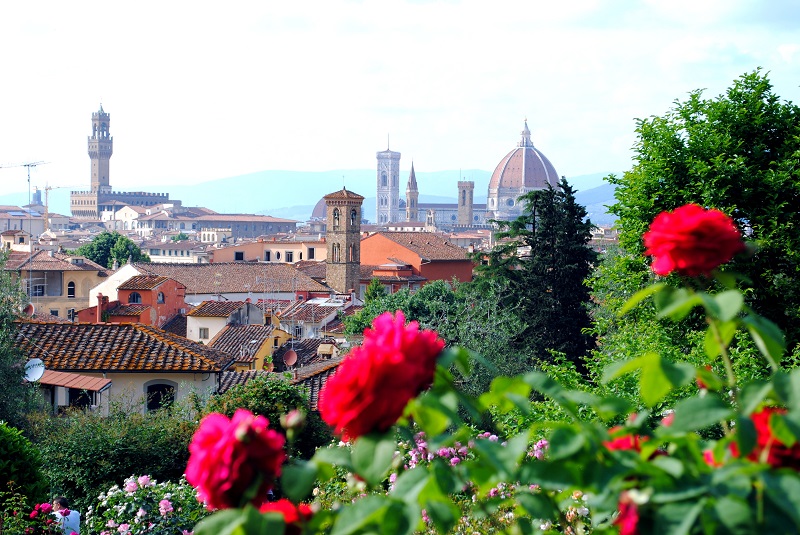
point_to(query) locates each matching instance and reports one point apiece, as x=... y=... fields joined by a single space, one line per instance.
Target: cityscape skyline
x=201 y=94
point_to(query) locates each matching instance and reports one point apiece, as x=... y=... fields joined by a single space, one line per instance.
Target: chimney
x=100 y=303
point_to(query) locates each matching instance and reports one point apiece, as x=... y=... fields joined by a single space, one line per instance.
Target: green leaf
x=734 y=513
x=240 y=522
x=677 y=518
x=679 y=304
x=659 y=376
x=443 y=513
x=787 y=387
x=334 y=456
x=695 y=413
x=565 y=441
x=640 y=296
x=538 y=506
x=671 y=466
x=712 y=345
x=786 y=428
x=752 y=395
x=434 y=412
x=782 y=488
x=768 y=338
x=609 y=407
x=362 y=514
x=372 y=456
x=410 y=483
x=298 y=480
x=730 y=304
x=746 y=435
x=541 y=382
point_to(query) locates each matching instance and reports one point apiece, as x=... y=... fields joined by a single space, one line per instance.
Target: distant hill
x=596 y=200
x=293 y=194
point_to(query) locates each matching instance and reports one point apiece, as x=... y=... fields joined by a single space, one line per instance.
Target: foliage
x=17 y=515
x=16 y=397
x=108 y=247
x=375 y=290
x=738 y=152
x=181 y=236
x=87 y=452
x=272 y=397
x=20 y=465
x=142 y=505
x=544 y=256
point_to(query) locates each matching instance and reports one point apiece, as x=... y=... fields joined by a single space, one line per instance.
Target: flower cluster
x=294 y=516
x=376 y=380
x=234 y=461
x=142 y=505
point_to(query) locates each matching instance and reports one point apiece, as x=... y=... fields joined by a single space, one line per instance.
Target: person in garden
x=69 y=520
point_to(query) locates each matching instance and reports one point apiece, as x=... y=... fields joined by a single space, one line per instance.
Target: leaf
x=434 y=413
x=541 y=382
x=640 y=296
x=298 y=480
x=240 y=522
x=695 y=413
x=680 y=303
x=768 y=338
x=786 y=428
x=609 y=407
x=565 y=441
x=734 y=513
x=363 y=513
x=671 y=466
x=730 y=304
x=783 y=488
x=334 y=456
x=372 y=456
x=752 y=395
x=787 y=387
x=713 y=347
x=443 y=513
x=410 y=483
x=746 y=435
x=677 y=518
x=538 y=506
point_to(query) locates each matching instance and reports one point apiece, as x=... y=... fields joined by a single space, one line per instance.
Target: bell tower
x=101 y=145
x=343 y=216
x=387 y=200
x=412 y=197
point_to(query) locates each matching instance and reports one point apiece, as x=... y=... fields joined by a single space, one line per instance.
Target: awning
x=75 y=380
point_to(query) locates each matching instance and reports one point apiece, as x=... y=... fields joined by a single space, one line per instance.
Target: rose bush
x=143 y=505
x=17 y=516
x=636 y=468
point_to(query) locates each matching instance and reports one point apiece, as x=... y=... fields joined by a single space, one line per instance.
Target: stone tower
x=387 y=200
x=343 y=216
x=101 y=145
x=412 y=197
x=465 y=189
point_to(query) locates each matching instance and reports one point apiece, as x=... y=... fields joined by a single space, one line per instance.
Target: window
x=335 y=218
x=159 y=395
x=277 y=255
x=238 y=256
x=160 y=298
x=290 y=256
x=71 y=290
x=71 y=314
x=311 y=253
x=78 y=398
x=38 y=290
x=266 y=256
x=134 y=298
x=203 y=333
x=383 y=179
x=353 y=216
x=54 y=312
x=275 y=343
x=298 y=331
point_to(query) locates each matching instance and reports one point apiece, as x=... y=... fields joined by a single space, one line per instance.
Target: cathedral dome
x=524 y=168
x=319 y=210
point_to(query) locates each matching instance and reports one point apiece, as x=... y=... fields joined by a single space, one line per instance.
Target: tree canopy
x=107 y=247
x=738 y=152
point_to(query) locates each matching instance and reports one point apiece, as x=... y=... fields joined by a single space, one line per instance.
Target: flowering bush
x=18 y=517
x=142 y=505
x=723 y=460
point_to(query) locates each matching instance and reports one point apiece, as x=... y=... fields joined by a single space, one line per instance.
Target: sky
x=205 y=90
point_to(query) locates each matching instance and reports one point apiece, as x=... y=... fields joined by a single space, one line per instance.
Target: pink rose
x=130 y=485
x=227 y=457
x=46 y=508
x=164 y=507
x=144 y=481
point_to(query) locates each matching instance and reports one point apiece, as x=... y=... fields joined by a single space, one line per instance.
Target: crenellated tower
x=101 y=146
x=412 y=197
x=343 y=237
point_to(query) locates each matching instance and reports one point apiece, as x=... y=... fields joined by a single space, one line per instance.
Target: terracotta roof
x=43 y=316
x=343 y=193
x=129 y=347
x=216 y=309
x=242 y=341
x=143 y=282
x=306 y=350
x=234 y=277
x=310 y=311
x=273 y=306
x=230 y=378
x=176 y=325
x=50 y=261
x=128 y=310
x=367 y=273
x=314 y=377
x=245 y=218
x=315 y=269
x=336 y=326
x=74 y=380
x=427 y=245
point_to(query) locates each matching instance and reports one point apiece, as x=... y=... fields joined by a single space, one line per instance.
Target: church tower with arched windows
x=387 y=201
x=343 y=237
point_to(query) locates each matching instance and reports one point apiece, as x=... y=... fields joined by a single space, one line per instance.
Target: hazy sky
x=203 y=90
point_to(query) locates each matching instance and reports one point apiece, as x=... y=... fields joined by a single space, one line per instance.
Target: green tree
x=375 y=290
x=107 y=247
x=272 y=397
x=16 y=397
x=181 y=236
x=544 y=255
x=740 y=153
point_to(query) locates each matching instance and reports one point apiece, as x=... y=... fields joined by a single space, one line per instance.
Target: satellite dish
x=34 y=369
x=290 y=358
x=29 y=310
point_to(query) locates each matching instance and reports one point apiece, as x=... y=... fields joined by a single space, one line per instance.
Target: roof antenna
x=387 y=141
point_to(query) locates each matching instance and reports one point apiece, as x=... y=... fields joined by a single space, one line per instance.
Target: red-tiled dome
x=524 y=167
x=319 y=210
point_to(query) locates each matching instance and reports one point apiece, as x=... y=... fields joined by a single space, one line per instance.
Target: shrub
x=142 y=505
x=20 y=465
x=88 y=453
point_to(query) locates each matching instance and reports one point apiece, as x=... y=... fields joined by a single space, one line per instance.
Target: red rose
x=628 y=517
x=229 y=457
x=375 y=382
x=293 y=515
x=778 y=455
x=624 y=442
x=34 y=514
x=691 y=240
